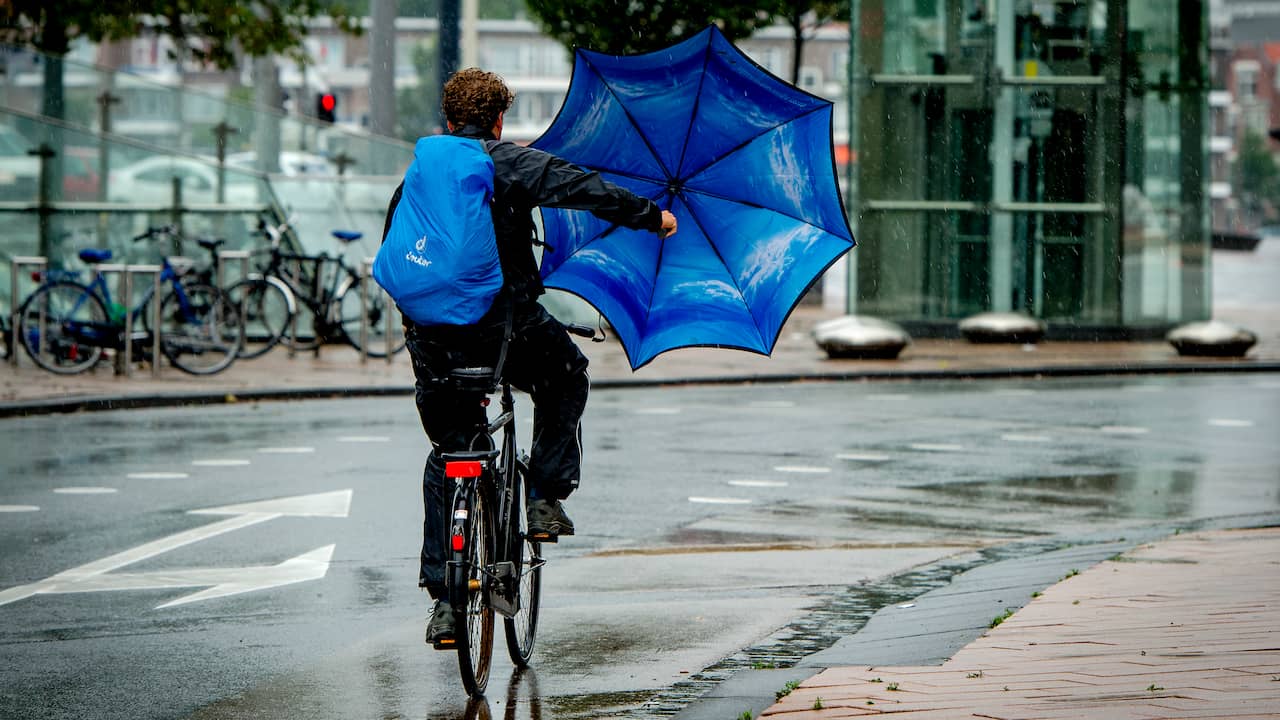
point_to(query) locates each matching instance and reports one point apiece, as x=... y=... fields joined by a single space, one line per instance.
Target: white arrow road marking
x=86 y=577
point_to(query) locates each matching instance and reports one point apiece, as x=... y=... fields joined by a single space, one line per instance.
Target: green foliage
x=892 y=687
x=817 y=703
x=1008 y=613
x=622 y=27
x=210 y=31
x=1258 y=175
x=418 y=108
x=787 y=689
x=746 y=715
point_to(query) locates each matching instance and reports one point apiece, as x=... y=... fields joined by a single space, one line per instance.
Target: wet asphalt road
x=710 y=518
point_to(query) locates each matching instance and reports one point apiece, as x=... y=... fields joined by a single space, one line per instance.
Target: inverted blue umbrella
x=745 y=162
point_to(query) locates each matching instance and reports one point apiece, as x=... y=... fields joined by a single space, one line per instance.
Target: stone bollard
x=860 y=337
x=1211 y=339
x=1002 y=327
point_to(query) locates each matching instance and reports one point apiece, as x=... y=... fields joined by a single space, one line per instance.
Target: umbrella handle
x=585 y=331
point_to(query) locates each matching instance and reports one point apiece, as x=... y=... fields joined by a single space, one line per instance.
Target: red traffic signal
x=325 y=105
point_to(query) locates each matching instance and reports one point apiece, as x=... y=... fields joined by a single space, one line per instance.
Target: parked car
x=19 y=171
x=80 y=179
x=292 y=164
x=150 y=181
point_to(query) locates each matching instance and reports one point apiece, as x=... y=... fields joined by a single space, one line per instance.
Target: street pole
x=449 y=11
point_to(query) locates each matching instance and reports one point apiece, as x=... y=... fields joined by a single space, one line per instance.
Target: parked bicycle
x=65 y=325
x=495 y=565
x=326 y=287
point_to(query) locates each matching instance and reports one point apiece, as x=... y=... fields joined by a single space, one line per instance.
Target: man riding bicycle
x=542 y=360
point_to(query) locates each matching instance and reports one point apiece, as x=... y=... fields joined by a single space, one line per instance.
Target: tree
x=1258 y=178
x=805 y=16
x=623 y=27
x=418 y=108
x=209 y=31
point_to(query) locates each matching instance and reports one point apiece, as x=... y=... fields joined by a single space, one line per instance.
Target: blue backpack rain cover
x=439 y=260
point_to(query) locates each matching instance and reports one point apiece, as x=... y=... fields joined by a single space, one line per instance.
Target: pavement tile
x=1210 y=645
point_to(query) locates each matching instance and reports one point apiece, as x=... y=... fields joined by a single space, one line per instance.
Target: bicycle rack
x=366 y=274
x=124 y=361
x=15 y=274
x=241 y=257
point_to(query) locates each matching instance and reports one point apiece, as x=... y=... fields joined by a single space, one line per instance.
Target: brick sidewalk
x=1188 y=627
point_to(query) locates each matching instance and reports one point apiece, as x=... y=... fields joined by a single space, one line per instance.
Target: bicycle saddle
x=473 y=378
x=210 y=244
x=93 y=255
x=347 y=235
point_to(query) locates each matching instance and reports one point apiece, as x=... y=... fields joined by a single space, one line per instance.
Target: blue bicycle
x=66 y=325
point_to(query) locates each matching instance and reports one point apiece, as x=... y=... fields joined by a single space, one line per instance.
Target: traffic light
x=325 y=105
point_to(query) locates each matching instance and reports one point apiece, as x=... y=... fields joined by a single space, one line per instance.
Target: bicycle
x=272 y=297
x=65 y=325
x=494 y=564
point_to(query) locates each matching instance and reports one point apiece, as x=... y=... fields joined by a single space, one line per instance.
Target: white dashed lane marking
x=936 y=447
x=1018 y=437
x=18 y=508
x=658 y=411
x=157 y=475
x=1123 y=430
x=802 y=469
x=84 y=490
x=228 y=462
x=719 y=500
x=758 y=483
x=1230 y=422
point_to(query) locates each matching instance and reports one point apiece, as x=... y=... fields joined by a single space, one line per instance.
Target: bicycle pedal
x=544 y=537
x=445 y=644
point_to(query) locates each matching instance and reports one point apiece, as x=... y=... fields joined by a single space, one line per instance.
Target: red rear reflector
x=38 y=275
x=462 y=469
x=457 y=543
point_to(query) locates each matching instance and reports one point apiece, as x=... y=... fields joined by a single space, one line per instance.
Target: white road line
x=1017 y=437
x=84 y=490
x=936 y=447
x=1230 y=422
x=658 y=411
x=719 y=500
x=215 y=462
x=1124 y=430
x=18 y=508
x=759 y=483
x=364 y=439
x=286 y=450
x=157 y=475
x=802 y=469
x=862 y=457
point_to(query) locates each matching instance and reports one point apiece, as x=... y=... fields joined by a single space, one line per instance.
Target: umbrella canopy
x=745 y=162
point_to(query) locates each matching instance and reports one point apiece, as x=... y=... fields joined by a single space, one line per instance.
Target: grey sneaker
x=547 y=521
x=440 y=628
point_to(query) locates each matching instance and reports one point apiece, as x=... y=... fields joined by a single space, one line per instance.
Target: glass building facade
x=1033 y=156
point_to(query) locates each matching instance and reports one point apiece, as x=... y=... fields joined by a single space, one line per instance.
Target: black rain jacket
x=525 y=178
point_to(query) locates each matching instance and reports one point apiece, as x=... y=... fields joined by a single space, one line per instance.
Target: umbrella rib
x=755 y=322
x=639 y=133
x=753 y=138
x=697 y=102
x=761 y=207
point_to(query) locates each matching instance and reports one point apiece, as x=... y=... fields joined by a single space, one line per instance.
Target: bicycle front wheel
x=472 y=616
x=56 y=326
x=267 y=310
x=522 y=627
x=200 y=330
x=378 y=309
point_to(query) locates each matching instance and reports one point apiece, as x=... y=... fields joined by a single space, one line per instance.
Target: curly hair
x=475 y=97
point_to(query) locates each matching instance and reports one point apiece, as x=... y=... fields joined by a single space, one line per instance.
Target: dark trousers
x=542 y=361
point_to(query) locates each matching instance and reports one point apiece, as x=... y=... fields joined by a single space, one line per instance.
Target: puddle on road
x=1145 y=494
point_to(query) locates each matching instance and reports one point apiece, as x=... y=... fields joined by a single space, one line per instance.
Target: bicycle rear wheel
x=200 y=330
x=376 y=309
x=267 y=309
x=54 y=325
x=472 y=616
x=522 y=628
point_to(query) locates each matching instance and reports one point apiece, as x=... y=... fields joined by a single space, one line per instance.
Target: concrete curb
x=125 y=401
